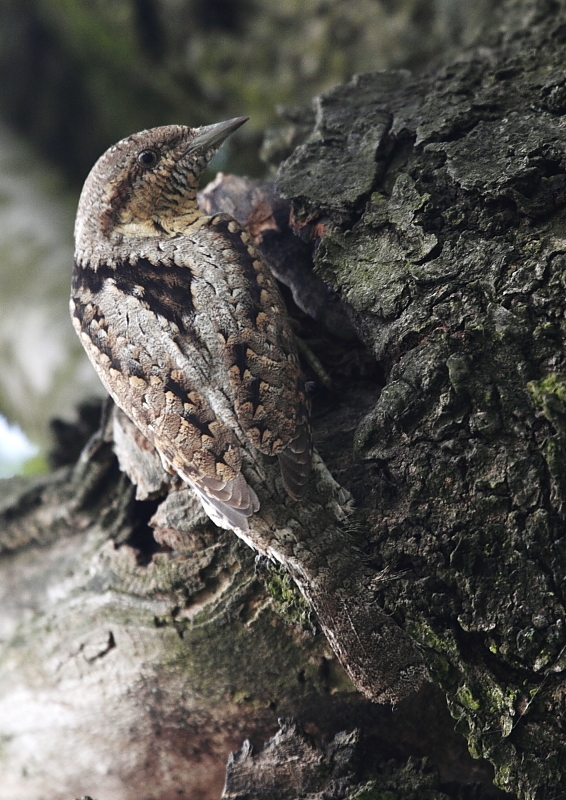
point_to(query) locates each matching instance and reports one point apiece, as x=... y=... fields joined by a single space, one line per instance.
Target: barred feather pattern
x=190 y=336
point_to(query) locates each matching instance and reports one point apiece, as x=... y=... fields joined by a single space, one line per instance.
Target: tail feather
x=228 y=504
x=295 y=459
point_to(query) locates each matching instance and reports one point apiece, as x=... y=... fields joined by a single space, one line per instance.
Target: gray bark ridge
x=151 y=663
x=311 y=541
x=449 y=251
x=292 y=765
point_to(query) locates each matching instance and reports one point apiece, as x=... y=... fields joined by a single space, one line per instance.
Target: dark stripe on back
x=104 y=346
x=177 y=388
x=182 y=393
x=166 y=289
x=240 y=360
x=254 y=391
x=134 y=368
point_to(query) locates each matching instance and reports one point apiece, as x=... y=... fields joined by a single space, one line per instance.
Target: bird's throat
x=162 y=225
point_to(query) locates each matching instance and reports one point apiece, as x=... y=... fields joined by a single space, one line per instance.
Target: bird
x=184 y=322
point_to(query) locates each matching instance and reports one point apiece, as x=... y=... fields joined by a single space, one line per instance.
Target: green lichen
x=288 y=602
x=552 y=385
x=467 y=699
x=441 y=643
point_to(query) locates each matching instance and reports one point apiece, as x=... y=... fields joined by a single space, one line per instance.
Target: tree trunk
x=434 y=208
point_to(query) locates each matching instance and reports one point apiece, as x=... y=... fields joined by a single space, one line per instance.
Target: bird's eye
x=147 y=158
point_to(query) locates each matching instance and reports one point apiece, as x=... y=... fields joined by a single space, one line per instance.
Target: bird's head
x=146 y=184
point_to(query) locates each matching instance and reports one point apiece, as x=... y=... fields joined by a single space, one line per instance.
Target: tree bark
x=434 y=208
x=449 y=250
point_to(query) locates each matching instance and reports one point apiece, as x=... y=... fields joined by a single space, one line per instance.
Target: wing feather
x=295 y=459
x=262 y=362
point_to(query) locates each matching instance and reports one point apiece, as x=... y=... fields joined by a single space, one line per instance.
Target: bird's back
x=193 y=341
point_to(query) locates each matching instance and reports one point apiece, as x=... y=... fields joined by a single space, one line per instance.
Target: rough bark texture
x=130 y=670
x=435 y=208
x=291 y=766
x=130 y=677
x=449 y=248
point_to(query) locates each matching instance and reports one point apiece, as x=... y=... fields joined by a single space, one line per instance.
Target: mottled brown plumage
x=184 y=322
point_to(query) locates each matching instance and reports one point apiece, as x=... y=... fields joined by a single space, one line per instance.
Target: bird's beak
x=212 y=136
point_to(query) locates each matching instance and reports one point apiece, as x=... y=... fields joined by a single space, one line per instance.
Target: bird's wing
x=134 y=320
x=258 y=348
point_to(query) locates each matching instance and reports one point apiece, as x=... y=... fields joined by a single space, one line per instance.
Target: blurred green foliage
x=35 y=466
